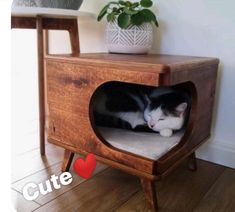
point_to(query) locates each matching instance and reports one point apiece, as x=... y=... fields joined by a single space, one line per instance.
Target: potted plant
x=130 y=26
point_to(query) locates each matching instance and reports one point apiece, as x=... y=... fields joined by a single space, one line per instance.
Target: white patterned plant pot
x=133 y=40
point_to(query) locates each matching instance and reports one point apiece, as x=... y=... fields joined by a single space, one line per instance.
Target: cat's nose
x=152 y=125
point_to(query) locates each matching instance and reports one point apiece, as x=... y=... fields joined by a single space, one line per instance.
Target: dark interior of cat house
x=142 y=120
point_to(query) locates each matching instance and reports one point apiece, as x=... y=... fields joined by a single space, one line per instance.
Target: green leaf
x=112 y=2
x=111 y=17
x=124 y=20
x=137 y=19
x=102 y=13
x=134 y=5
x=129 y=12
x=144 y=15
x=123 y=3
x=146 y=3
x=148 y=15
x=156 y=23
x=120 y=9
x=115 y=9
x=128 y=3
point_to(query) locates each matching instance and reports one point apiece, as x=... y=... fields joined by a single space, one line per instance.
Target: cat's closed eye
x=161 y=119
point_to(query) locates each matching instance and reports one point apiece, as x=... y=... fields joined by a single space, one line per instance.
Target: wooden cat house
x=72 y=82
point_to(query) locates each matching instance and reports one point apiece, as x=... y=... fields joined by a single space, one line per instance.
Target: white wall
x=206 y=28
x=91 y=33
x=187 y=27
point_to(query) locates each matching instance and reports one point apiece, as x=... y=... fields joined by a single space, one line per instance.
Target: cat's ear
x=180 y=109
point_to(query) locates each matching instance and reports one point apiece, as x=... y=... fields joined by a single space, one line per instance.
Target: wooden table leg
x=31 y=23
x=68 y=158
x=74 y=38
x=192 y=162
x=41 y=84
x=149 y=190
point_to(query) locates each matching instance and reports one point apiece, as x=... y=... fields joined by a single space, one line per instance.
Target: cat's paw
x=166 y=133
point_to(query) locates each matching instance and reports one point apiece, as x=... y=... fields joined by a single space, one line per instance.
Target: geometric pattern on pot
x=129 y=39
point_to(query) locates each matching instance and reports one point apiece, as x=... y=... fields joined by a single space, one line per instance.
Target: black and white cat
x=138 y=108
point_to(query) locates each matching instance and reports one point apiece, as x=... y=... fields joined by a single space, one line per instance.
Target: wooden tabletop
x=51 y=13
x=161 y=62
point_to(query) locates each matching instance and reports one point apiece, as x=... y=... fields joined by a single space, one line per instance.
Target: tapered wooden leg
x=41 y=84
x=74 y=38
x=192 y=162
x=149 y=190
x=68 y=158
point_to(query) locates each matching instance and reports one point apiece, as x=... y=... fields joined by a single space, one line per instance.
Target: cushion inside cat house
x=145 y=144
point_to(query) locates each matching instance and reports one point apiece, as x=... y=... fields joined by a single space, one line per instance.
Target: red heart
x=85 y=168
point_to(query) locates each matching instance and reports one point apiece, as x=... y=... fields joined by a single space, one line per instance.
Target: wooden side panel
x=70 y=88
x=204 y=80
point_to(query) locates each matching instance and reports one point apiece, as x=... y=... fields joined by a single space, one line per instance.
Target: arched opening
x=118 y=116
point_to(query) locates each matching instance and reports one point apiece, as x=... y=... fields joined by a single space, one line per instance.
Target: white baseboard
x=219 y=152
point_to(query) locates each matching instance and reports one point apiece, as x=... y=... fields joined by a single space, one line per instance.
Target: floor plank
x=31 y=162
x=22 y=205
x=45 y=174
x=221 y=197
x=181 y=191
x=104 y=192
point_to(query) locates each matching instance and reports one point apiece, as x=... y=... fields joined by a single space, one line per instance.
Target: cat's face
x=159 y=119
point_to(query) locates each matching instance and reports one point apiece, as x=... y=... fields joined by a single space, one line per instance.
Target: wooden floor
x=211 y=188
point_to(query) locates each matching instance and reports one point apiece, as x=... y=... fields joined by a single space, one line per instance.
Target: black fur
x=119 y=97
x=169 y=102
x=110 y=121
